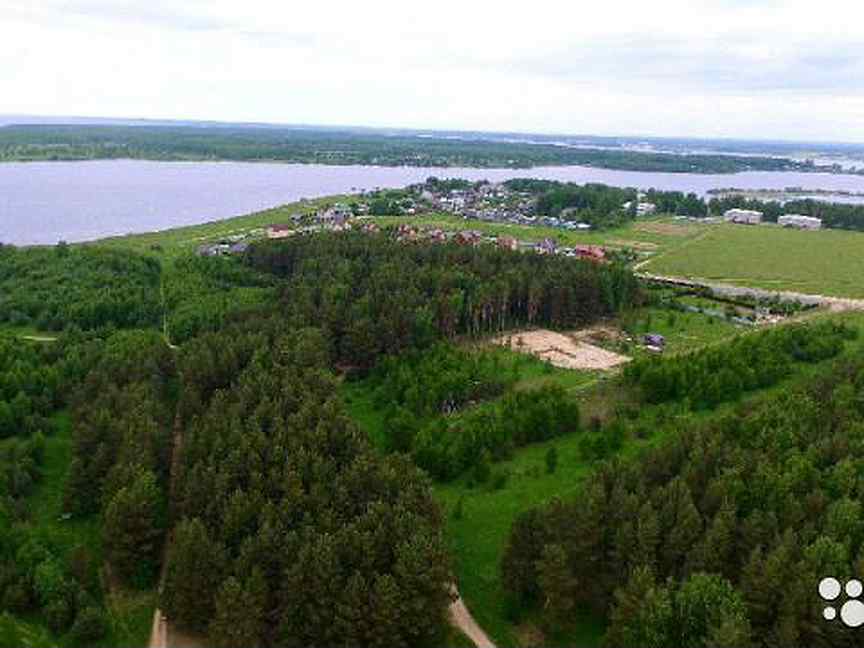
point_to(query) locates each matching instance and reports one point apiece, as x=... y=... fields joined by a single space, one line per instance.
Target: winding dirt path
x=462 y=619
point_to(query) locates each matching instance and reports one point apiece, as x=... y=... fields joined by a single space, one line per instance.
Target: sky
x=788 y=69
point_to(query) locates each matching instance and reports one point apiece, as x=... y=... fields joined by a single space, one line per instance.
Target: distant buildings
x=642 y=208
x=338 y=214
x=743 y=216
x=800 y=222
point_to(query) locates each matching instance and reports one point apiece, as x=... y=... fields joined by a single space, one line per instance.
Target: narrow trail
x=836 y=304
x=159 y=630
x=462 y=619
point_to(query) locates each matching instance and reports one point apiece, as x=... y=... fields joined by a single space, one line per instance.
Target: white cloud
x=750 y=69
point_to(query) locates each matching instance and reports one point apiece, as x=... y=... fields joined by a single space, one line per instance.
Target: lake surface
x=46 y=202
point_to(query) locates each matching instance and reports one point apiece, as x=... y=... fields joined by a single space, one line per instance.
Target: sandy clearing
x=462 y=619
x=563 y=350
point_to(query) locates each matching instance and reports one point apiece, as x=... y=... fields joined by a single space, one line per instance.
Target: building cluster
x=494 y=203
x=409 y=233
x=754 y=217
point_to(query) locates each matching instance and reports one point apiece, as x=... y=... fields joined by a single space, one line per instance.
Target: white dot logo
x=852 y=611
x=829 y=589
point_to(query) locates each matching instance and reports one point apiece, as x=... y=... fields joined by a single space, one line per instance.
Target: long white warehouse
x=800 y=221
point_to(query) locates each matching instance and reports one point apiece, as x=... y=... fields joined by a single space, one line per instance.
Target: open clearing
x=562 y=350
x=826 y=262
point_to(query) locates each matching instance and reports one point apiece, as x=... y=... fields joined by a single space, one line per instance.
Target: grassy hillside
x=828 y=262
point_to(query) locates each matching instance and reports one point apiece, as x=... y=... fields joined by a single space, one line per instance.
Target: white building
x=642 y=208
x=800 y=221
x=744 y=216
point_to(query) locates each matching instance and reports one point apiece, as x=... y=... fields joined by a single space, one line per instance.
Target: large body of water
x=46 y=202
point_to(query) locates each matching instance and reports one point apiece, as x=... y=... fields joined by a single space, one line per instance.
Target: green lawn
x=684 y=331
x=827 y=262
x=477 y=540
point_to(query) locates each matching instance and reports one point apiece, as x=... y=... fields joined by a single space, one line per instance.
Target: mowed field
x=828 y=262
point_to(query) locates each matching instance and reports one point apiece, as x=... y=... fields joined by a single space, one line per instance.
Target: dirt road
x=836 y=304
x=462 y=619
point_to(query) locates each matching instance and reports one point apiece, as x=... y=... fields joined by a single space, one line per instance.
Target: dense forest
x=290 y=530
x=30 y=386
x=375 y=295
x=330 y=146
x=54 y=288
x=203 y=293
x=719 y=536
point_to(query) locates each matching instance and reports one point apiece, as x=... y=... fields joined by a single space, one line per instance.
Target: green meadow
x=826 y=262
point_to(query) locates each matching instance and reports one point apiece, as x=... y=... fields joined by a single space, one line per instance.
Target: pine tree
x=132 y=530
x=241 y=612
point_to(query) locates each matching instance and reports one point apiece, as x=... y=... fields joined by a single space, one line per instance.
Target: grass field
x=185 y=239
x=827 y=262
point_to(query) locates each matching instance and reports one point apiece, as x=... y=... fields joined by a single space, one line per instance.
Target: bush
x=551 y=460
x=500 y=479
x=58 y=615
x=90 y=625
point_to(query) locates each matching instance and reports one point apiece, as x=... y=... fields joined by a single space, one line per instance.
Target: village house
x=743 y=216
x=279 y=231
x=335 y=215
x=590 y=252
x=507 y=243
x=546 y=246
x=469 y=237
x=800 y=221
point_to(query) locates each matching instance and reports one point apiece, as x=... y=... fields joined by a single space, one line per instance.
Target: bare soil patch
x=568 y=351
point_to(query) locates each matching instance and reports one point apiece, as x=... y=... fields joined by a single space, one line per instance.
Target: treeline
x=602 y=205
x=54 y=288
x=203 y=293
x=30 y=386
x=331 y=146
x=448 y=448
x=440 y=380
x=290 y=529
x=375 y=295
x=718 y=374
x=833 y=215
x=718 y=537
